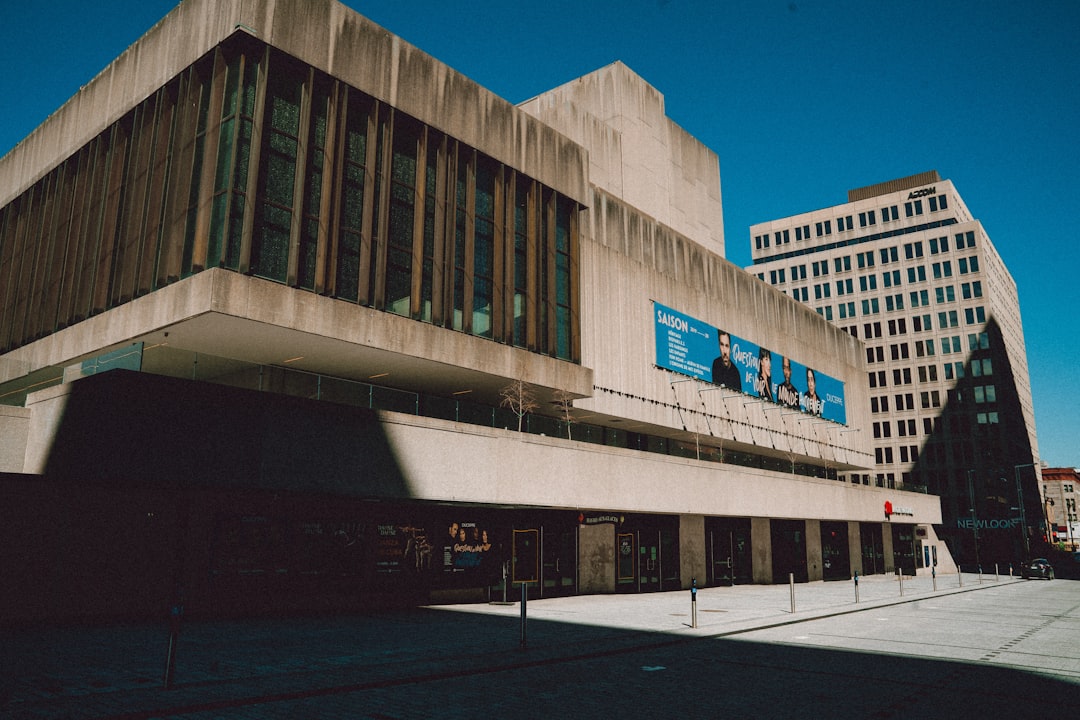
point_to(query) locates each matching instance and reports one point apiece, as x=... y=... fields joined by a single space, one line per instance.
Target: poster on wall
x=402 y=549
x=691 y=347
x=465 y=547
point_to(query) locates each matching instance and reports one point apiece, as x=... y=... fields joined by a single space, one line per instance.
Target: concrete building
x=1060 y=489
x=292 y=315
x=905 y=267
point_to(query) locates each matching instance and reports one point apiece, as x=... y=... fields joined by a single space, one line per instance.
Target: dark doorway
x=789 y=550
x=728 y=551
x=654 y=543
x=904 y=548
x=560 y=561
x=835 y=557
x=873 y=551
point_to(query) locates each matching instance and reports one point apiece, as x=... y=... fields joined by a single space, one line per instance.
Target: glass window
x=400 y=226
x=483 y=247
x=353 y=173
x=277 y=174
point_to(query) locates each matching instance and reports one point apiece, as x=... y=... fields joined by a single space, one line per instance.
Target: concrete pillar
x=761 y=539
x=814 y=565
x=596 y=559
x=854 y=542
x=887 y=547
x=692 y=563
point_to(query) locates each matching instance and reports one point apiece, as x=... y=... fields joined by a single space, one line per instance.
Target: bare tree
x=520 y=397
x=565 y=400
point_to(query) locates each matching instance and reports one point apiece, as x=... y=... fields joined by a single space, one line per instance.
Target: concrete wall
x=627 y=262
x=761 y=553
x=637 y=153
x=456 y=462
x=855 y=547
x=14 y=431
x=692 y=550
x=596 y=559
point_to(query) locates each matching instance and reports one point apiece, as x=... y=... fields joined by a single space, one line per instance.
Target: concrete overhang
x=226 y=317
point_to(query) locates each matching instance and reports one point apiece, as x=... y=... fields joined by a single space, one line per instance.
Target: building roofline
x=891 y=186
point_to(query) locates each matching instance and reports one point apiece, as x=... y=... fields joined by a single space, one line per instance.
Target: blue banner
x=691 y=347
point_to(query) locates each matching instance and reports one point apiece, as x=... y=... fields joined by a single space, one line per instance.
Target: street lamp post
x=974 y=518
x=1020 y=503
x=1047 y=504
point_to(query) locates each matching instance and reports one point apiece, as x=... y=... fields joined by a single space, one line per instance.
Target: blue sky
x=802 y=100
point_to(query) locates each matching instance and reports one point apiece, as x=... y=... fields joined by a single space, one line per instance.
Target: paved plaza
x=931 y=648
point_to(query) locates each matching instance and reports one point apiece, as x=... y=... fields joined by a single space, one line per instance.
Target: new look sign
x=691 y=347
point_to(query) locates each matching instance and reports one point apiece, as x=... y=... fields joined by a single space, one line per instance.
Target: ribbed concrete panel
x=330 y=37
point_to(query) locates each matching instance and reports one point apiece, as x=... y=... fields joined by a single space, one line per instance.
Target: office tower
x=908 y=269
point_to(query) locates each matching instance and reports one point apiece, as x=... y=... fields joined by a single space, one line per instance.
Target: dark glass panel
x=277 y=181
x=347 y=280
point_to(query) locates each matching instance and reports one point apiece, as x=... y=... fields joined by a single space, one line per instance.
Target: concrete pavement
x=241 y=668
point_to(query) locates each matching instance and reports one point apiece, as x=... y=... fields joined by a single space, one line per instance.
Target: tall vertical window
x=353 y=178
x=521 y=260
x=563 y=213
x=275 y=197
x=431 y=188
x=399 y=234
x=233 y=155
x=310 y=230
x=484 y=248
x=461 y=231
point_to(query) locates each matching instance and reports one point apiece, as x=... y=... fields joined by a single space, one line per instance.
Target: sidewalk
x=118 y=670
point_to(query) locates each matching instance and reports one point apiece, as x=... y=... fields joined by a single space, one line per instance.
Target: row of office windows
x=979 y=367
x=868 y=283
x=254 y=162
x=845 y=223
x=872 y=306
x=889 y=278
x=962 y=240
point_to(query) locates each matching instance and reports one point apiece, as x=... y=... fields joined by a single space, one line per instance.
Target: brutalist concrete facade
x=363 y=253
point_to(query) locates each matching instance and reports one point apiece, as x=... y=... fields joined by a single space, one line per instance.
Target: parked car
x=1037 y=568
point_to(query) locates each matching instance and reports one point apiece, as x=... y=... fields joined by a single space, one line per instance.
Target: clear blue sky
x=802 y=100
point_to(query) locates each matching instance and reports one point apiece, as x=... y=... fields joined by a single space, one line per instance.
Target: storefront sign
x=995 y=524
x=584 y=519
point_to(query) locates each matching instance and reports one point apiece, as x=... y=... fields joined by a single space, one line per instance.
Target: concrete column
x=854 y=535
x=814 y=568
x=692 y=563
x=761 y=539
x=887 y=547
x=596 y=559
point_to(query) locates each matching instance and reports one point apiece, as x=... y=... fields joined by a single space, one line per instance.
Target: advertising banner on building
x=691 y=347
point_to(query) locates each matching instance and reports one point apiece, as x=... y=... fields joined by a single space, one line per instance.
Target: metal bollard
x=791 y=582
x=933 y=575
x=176 y=614
x=997 y=576
x=900 y=574
x=980 y=574
x=524 y=600
x=960 y=574
x=693 y=602
x=856 y=586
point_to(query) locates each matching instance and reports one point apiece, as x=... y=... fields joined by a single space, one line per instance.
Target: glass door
x=649 y=561
x=560 y=562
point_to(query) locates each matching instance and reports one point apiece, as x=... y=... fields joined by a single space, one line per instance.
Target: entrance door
x=789 y=550
x=658 y=560
x=835 y=555
x=560 y=566
x=649 y=561
x=873 y=554
x=728 y=549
